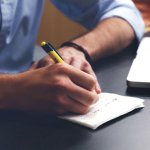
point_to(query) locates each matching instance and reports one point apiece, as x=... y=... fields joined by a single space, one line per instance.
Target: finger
x=80 y=78
x=76 y=63
x=75 y=107
x=67 y=59
x=85 y=66
x=88 y=69
x=34 y=66
x=45 y=62
x=82 y=95
x=42 y=63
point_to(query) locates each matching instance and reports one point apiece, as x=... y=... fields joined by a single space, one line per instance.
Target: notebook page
x=108 y=107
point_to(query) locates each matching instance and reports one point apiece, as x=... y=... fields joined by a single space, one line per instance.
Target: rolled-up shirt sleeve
x=90 y=12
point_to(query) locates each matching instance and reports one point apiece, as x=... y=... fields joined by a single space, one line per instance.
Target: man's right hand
x=55 y=89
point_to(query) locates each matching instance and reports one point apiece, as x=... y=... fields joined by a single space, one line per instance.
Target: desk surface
x=19 y=131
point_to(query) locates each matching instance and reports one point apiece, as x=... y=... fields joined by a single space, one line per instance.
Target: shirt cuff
x=133 y=17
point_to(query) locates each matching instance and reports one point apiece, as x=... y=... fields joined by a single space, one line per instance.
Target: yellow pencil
x=49 y=49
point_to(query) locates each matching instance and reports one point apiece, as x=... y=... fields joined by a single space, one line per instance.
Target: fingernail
x=98 y=89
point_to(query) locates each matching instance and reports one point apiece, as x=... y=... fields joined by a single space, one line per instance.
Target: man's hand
x=55 y=89
x=73 y=57
x=46 y=61
x=77 y=59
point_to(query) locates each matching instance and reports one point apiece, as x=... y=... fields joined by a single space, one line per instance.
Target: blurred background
x=56 y=28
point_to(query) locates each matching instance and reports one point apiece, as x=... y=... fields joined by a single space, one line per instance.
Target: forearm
x=108 y=37
x=8 y=90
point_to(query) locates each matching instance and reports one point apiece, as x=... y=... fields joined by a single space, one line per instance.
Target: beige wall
x=56 y=28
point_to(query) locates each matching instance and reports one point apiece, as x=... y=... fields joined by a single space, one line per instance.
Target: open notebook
x=108 y=107
x=139 y=73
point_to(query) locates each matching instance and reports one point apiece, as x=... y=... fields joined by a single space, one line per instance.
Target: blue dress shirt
x=20 y=19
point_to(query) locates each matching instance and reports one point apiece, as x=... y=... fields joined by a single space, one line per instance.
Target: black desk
x=19 y=131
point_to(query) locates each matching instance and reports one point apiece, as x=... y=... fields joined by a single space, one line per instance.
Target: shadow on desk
x=28 y=131
x=142 y=92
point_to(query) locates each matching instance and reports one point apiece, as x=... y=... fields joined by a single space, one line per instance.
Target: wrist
x=79 y=48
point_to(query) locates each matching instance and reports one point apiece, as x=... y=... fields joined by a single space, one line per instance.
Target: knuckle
x=85 y=64
x=60 y=83
x=63 y=69
x=67 y=58
x=60 y=101
x=91 y=99
x=84 y=110
x=92 y=81
x=59 y=67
